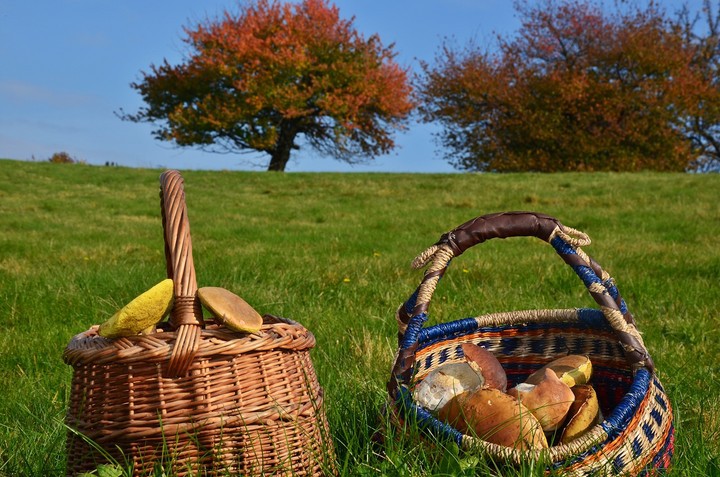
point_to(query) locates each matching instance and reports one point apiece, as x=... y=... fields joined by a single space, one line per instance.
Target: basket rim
x=215 y=341
x=592 y=318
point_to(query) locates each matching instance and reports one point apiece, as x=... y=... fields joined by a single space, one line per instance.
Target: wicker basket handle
x=567 y=241
x=186 y=315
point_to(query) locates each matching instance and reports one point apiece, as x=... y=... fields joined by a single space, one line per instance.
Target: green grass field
x=332 y=251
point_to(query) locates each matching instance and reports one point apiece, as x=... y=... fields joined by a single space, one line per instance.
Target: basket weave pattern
x=197 y=397
x=636 y=436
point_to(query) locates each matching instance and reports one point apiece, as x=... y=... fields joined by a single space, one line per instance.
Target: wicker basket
x=194 y=397
x=636 y=435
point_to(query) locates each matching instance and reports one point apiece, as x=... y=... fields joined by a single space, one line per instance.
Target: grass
x=332 y=251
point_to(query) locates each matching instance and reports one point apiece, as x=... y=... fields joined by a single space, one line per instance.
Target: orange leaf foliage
x=576 y=89
x=260 y=78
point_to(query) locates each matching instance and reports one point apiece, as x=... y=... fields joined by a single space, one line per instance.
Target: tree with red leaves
x=701 y=30
x=261 y=79
x=577 y=88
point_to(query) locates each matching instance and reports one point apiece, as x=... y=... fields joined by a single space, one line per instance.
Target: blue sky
x=66 y=68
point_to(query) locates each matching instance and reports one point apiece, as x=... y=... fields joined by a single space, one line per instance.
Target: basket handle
x=186 y=314
x=567 y=242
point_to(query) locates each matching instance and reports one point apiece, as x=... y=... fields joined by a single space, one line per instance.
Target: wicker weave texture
x=244 y=406
x=195 y=398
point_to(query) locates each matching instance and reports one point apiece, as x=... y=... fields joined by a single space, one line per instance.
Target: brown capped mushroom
x=495 y=417
x=230 y=310
x=549 y=400
x=489 y=365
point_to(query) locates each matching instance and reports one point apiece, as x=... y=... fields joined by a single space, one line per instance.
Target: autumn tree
x=275 y=73
x=577 y=88
x=701 y=31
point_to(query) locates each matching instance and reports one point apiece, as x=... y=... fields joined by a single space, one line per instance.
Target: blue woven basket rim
x=587 y=319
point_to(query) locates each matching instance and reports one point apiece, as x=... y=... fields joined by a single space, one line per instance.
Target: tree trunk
x=278 y=160
x=280 y=156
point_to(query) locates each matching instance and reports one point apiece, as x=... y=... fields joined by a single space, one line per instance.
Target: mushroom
x=549 y=400
x=445 y=382
x=489 y=365
x=495 y=417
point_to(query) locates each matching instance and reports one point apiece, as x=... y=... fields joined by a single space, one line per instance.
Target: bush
x=62 y=158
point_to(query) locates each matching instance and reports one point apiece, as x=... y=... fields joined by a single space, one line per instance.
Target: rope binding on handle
x=572 y=236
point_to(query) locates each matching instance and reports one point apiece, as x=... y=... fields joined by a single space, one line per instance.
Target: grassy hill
x=332 y=251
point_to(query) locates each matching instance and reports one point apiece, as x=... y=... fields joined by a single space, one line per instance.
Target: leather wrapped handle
x=186 y=315
x=501 y=225
x=481 y=229
x=567 y=242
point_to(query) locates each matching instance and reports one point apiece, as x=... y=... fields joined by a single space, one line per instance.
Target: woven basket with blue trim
x=636 y=435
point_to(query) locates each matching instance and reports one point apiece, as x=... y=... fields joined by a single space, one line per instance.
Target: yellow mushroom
x=572 y=369
x=583 y=414
x=141 y=314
